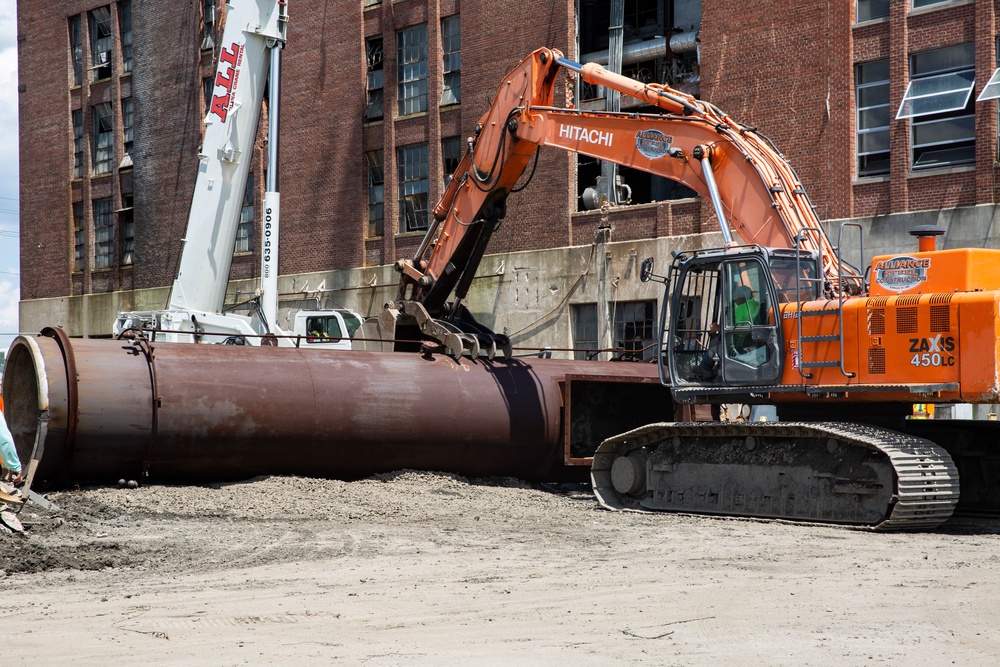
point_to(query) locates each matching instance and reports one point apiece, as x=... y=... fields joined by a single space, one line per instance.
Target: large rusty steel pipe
x=101 y=410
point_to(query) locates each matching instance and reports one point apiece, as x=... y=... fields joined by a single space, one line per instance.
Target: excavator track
x=827 y=472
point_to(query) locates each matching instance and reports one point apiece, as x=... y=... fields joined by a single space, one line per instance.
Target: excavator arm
x=754 y=190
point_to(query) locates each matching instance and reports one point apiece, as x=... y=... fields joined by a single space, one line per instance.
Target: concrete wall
x=967 y=227
x=526 y=295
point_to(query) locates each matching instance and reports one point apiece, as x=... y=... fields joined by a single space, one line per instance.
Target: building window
x=872 y=88
x=207 y=88
x=76 y=49
x=451 y=64
x=634 y=328
x=128 y=236
x=374 y=109
x=376 y=192
x=78 y=143
x=869 y=10
x=412 y=162
x=917 y=4
x=411 y=58
x=127 y=117
x=451 y=155
x=125 y=30
x=991 y=90
x=100 y=43
x=938 y=102
x=104 y=149
x=208 y=24
x=584 y=322
x=372 y=3
x=244 y=233
x=78 y=236
x=104 y=224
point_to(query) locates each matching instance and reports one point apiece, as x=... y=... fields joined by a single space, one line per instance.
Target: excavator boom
x=689 y=141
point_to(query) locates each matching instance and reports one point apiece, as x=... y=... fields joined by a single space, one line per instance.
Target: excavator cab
x=723 y=326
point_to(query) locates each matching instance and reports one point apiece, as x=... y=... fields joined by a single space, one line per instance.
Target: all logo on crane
x=227 y=78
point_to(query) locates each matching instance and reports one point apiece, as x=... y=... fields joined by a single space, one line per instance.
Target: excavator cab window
x=695 y=306
x=750 y=333
x=795 y=279
x=722 y=326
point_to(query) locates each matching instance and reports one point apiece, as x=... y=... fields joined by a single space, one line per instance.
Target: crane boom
x=252 y=30
x=250 y=45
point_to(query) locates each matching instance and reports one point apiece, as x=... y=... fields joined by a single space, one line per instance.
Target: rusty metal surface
x=183 y=412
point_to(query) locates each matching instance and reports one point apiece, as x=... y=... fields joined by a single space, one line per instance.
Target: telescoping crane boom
x=249 y=65
x=774 y=317
x=250 y=49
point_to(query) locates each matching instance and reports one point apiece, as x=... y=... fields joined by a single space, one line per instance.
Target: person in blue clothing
x=8 y=453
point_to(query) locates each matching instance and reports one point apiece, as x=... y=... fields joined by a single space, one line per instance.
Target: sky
x=9 y=248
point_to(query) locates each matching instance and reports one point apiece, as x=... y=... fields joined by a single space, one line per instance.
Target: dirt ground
x=428 y=569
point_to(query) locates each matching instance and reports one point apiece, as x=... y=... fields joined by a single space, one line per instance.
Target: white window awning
x=992 y=89
x=940 y=93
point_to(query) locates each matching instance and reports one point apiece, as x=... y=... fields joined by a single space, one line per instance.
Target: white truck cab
x=330 y=329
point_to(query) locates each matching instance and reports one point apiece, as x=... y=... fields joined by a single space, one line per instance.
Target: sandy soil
x=428 y=569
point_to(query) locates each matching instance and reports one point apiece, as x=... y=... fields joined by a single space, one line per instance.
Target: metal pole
x=272 y=199
x=713 y=191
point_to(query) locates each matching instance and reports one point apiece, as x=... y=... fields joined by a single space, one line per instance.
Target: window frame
x=864 y=159
x=104 y=138
x=923 y=4
x=128 y=129
x=411 y=70
x=126 y=222
x=451 y=156
x=414 y=187
x=76 y=120
x=248 y=215
x=871 y=15
x=375 y=78
x=961 y=150
x=993 y=86
x=375 y=166
x=451 y=60
x=647 y=333
x=79 y=239
x=101 y=35
x=125 y=34
x=584 y=329
x=104 y=236
x=76 y=48
x=209 y=16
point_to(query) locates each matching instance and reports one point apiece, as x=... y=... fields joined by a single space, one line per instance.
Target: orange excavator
x=774 y=317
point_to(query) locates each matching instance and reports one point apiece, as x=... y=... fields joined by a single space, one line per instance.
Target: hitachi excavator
x=774 y=317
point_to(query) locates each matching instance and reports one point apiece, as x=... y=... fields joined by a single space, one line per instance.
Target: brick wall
x=785 y=67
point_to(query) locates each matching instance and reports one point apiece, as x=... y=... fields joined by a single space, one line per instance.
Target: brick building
x=873 y=101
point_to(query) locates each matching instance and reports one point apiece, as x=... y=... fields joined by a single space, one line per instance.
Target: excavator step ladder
x=805 y=363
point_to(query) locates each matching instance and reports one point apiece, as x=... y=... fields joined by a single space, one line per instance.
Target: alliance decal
x=901 y=273
x=653 y=143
